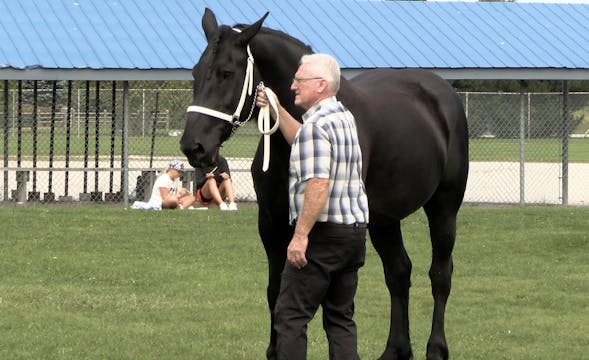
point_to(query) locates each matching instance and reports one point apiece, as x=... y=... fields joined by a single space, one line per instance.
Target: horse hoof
x=396 y=354
x=437 y=352
x=436 y=357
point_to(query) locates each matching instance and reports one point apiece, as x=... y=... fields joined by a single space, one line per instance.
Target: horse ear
x=209 y=24
x=249 y=32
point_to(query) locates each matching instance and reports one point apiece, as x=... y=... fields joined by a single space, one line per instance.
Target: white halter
x=248 y=85
x=263 y=116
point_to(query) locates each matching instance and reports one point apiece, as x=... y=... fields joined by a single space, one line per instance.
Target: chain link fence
x=528 y=148
x=66 y=142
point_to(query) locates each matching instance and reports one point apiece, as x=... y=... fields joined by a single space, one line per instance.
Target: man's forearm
x=288 y=125
x=314 y=202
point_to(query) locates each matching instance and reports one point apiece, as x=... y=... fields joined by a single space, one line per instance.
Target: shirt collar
x=313 y=109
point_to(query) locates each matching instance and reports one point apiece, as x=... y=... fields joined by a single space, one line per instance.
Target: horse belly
x=405 y=159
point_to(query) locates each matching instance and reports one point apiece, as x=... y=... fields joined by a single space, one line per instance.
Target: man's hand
x=314 y=202
x=262 y=99
x=288 y=125
x=296 y=250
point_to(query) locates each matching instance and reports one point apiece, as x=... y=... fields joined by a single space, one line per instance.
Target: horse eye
x=227 y=74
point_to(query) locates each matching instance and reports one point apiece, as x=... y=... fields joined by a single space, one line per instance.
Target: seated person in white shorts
x=168 y=191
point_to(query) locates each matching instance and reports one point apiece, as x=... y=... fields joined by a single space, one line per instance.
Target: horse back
x=414 y=138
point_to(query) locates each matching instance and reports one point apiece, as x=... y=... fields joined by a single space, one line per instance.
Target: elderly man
x=329 y=208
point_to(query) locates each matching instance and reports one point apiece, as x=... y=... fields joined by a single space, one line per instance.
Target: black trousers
x=330 y=279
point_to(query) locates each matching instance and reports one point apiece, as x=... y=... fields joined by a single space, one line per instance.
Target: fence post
x=96 y=195
x=35 y=195
x=68 y=134
x=124 y=150
x=522 y=140
x=565 y=143
x=19 y=125
x=5 y=126
x=50 y=195
x=143 y=113
x=153 y=126
x=529 y=116
x=84 y=195
x=78 y=114
x=112 y=195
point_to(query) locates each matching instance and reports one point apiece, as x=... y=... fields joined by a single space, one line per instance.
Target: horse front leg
x=388 y=242
x=275 y=244
x=443 y=233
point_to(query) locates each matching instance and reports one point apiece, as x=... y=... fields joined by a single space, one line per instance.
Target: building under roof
x=161 y=40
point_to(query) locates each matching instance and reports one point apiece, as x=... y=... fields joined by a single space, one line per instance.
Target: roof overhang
x=500 y=74
x=186 y=74
x=96 y=74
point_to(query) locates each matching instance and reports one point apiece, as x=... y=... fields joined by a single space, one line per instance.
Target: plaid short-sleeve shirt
x=326 y=146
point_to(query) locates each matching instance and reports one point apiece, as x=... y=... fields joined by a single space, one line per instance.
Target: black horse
x=414 y=138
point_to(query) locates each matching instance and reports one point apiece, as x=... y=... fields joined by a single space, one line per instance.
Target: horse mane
x=281 y=35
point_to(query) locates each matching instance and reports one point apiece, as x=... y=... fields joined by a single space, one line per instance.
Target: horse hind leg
x=442 y=223
x=388 y=242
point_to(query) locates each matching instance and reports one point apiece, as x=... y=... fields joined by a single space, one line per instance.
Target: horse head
x=224 y=92
x=225 y=73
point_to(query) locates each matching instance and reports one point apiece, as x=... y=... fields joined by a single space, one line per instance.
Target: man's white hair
x=325 y=66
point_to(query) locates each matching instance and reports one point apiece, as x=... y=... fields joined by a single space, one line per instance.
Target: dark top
x=222 y=167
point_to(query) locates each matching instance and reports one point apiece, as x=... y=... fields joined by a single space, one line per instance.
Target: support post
x=565 y=143
x=111 y=195
x=35 y=195
x=96 y=195
x=85 y=195
x=6 y=137
x=125 y=153
x=522 y=141
x=68 y=118
x=49 y=196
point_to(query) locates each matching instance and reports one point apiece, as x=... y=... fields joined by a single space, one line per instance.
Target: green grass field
x=245 y=141
x=110 y=283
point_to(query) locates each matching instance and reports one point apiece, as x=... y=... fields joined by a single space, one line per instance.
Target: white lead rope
x=264 y=121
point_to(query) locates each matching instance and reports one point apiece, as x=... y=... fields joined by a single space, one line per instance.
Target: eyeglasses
x=300 y=80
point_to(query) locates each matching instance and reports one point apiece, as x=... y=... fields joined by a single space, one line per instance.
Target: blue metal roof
x=50 y=38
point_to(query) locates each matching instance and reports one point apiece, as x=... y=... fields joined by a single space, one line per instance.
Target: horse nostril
x=194 y=153
x=192 y=148
x=198 y=149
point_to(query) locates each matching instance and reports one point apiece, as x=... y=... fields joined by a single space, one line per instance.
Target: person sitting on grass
x=215 y=186
x=168 y=191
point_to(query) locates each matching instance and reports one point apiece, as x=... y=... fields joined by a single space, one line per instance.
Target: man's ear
x=323 y=86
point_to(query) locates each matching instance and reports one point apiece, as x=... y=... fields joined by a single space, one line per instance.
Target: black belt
x=357 y=225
